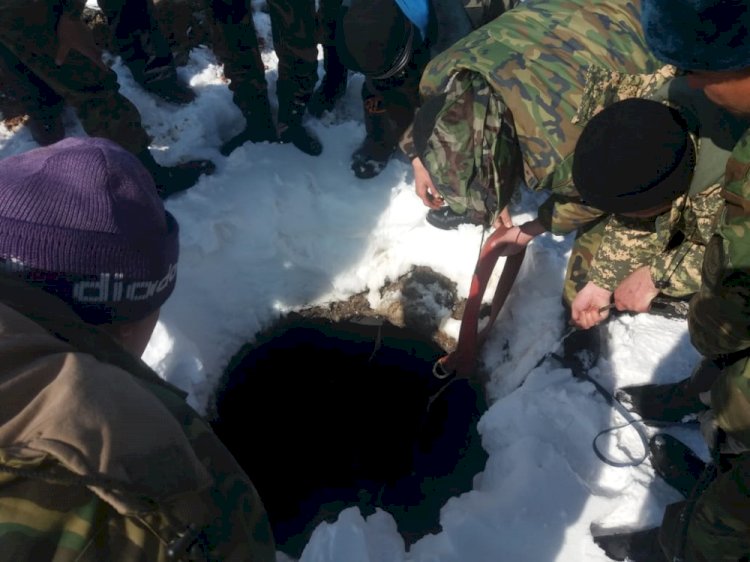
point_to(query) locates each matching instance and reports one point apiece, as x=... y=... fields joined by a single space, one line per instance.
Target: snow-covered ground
x=274 y=230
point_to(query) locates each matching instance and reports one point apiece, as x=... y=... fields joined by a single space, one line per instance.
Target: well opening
x=326 y=414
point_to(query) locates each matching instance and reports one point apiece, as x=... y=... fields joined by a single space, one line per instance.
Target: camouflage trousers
x=139 y=40
x=718 y=522
x=296 y=28
x=29 y=34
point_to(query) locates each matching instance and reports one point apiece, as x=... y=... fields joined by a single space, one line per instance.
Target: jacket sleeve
x=561 y=214
x=719 y=319
x=627 y=244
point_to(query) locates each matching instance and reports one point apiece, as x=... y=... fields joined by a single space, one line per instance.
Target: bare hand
x=636 y=291
x=424 y=187
x=72 y=34
x=586 y=309
x=503 y=219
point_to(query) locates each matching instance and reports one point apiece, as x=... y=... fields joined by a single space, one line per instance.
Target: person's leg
x=235 y=43
x=31 y=35
x=295 y=42
x=333 y=85
x=22 y=93
x=718 y=523
x=138 y=39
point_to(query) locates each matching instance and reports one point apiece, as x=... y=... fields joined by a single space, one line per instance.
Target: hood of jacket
x=94 y=417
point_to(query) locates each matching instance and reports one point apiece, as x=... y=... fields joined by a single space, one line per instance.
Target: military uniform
x=719 y=324
x=28 y=31
x=510 y=115
x=671 y=245
x=102 y=460
x=296 y=34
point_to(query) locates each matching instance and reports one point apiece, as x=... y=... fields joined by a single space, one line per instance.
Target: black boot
x=445 y=218
x=679 y=466
x=637 y=546
x=380 y=143
x=292 y=131
x=333 y=86
x=174 y=179
x=163 y=81
x=662 y=404
x=371 y=158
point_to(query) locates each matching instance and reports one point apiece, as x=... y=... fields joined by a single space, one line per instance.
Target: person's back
x=99 y=458
x=536 y=59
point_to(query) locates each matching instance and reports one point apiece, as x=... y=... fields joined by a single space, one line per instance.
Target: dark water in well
x=324 y=416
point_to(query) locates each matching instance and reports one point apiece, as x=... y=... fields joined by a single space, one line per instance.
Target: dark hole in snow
x=325 y=415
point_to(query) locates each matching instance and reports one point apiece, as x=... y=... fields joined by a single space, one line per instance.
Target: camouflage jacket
x=719 y=317
x=536 y=58
x=673 y=244
x=100 y=459
x=551 y=98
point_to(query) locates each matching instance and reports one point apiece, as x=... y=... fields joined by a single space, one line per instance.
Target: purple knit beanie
x=82 y=218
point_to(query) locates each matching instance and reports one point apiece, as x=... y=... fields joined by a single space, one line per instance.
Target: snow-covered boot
x=680 y=467
x=371 y=158
x=173 y=179
x=380 y=142
x=291 y=129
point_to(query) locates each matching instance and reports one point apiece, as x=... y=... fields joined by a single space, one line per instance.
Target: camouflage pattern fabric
x=48 y=511
x=477 y=125
x=713 y=525
x=536 y=57
x=672 y=245
x=139 y=40
x=399 y=95
x=235 y=43
x=719 y=318
x=28 y=31
x=295 y=40
x=719 y=323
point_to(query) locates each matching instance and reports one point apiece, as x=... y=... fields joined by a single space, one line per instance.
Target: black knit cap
x=374 y=37
x=632 y=156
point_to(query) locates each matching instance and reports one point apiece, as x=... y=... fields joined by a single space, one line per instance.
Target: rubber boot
x=160 y=79
x=376 y=150
x=675 y=463
x=663 y=404
x=258 y=126
x=333 y=86
x=292 y=131
x=174 y=179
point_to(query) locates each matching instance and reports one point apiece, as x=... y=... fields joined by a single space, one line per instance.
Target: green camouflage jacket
x=673 y=244
x=719 y=318
x=536 y=58
x=102 y=460
x=550 y=90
